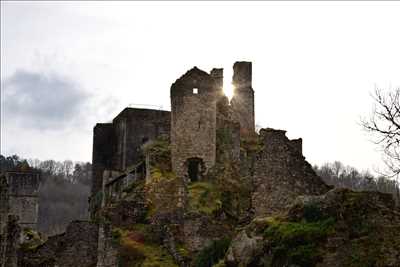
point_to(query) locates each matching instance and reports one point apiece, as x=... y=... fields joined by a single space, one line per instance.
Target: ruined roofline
x=276 y=132
x=129 y=110
x=197 y=78
x=102 y=124
x=243 y=62
x=196 y=70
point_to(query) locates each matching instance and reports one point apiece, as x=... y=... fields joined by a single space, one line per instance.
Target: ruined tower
x=23 y=190
x=243 y=98
x=193 y=122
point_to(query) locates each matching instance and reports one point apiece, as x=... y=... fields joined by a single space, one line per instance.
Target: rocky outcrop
x=340 y=228
x=244 y=248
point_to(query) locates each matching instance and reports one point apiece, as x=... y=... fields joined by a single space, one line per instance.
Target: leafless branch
x=384 y=125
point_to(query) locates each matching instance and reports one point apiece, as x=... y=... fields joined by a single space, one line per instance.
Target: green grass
x=298 y=242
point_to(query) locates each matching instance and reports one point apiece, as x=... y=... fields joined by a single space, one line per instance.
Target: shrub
x=204 y=198
x=312 y=212
x=297 y=242
x=212 y=253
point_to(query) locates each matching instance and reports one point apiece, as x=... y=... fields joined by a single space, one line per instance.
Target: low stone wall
x=76 y=247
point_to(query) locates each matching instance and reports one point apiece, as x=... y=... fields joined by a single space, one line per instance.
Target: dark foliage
x=212 y=253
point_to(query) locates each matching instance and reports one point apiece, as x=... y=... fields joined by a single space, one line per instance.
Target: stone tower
x=243 y=98
x=23 y=196
x=193 y=122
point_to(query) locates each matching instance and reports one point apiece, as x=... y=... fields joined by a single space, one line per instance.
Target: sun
x=229 y=90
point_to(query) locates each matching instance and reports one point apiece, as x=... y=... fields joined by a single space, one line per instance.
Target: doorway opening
x=195 y=169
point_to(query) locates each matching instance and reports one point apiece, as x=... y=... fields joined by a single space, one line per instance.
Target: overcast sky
x=66 y=66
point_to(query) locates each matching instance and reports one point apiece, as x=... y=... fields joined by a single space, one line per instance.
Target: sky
x=67 y=65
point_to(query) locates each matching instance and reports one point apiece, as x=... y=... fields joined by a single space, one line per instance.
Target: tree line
x=63 y=192
x=342 y=176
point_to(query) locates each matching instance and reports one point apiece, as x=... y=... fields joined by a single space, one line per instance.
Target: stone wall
x=228 y=132
x=18 y=210
x=218 y=76
x=107 y=252
x=11 y=241
x=103 y=136
x=116 y=145
x=193 y=120
x=133 y=127
x=281 y=174
x=243 y=99
x=76 y=247
x=23 y=190
x=4 y=210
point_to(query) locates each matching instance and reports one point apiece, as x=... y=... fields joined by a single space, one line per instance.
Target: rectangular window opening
x=195 y=91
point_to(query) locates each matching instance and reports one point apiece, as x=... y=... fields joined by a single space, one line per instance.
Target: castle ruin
x=197 y=186
x=206 y=141
x=199 y=110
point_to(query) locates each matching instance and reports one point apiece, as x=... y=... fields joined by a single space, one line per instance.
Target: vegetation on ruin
x=221 y=263
x=224 y=137
x=212 y=253
x=359 y=224
x=297 y=243
x=32 y=240
x=159 y=152
x=251 y=144
x=137 y=249
x=204 y=198
x=234 y=190
x=134 y=187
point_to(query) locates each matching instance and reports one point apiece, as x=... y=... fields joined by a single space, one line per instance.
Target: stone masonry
x=281 y=174
x=243 y=99
x=4 y=211
x=18 y=210
x=23 y=196
x=193 y=121
x=76 y=247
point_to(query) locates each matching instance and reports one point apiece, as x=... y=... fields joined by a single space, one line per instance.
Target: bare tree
x=384 y=124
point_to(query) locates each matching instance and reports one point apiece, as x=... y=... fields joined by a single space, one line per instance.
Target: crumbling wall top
x=141 y=113
x=23 y=183
x=242 y=74
x=194 y=79
x=218 y=75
